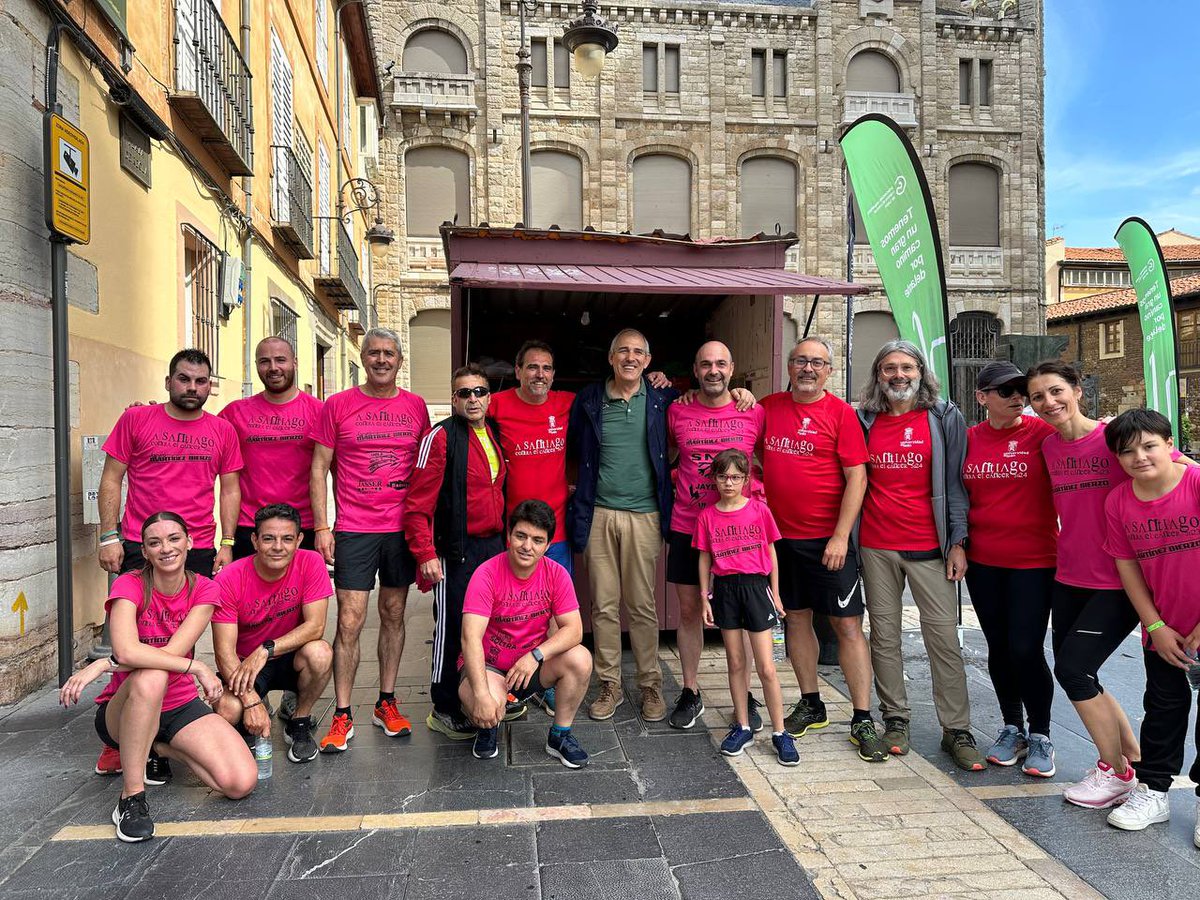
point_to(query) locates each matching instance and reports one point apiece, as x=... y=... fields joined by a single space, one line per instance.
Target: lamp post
x=589 y=39
x=366 y=196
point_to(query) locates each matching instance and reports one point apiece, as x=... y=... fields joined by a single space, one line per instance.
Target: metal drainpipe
x=247 y=239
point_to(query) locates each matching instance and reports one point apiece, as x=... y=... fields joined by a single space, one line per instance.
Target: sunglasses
x=1007 y=390
x=464 y=393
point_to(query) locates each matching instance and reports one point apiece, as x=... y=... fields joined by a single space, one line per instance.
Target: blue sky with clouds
x=1122 y=117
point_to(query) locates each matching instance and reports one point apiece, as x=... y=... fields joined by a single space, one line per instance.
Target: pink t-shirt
x=172 y=465
x=277 y=446
x=701 y=432
x=519 y=612
x=374 y=446
x=738 y=540
x=267 y=610
x=157 y=624
x=1163 y=535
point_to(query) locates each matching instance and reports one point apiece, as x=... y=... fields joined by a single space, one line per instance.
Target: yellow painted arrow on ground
x=21 y=605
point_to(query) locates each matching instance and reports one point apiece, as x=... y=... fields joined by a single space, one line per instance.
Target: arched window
x=557 y=197
x=870 y=70
x=974 y=205
x=436 y=52
x=429 y=348
x=662 y=194
x=437 y=187
x=871 y=331
x=768 y=195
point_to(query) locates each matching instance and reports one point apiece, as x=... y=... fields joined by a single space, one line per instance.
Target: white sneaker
x=1144 y=807
x=1100 y=788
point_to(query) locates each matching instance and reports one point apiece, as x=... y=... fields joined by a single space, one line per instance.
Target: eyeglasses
x=731 y=479
x=464 y=393
x=1006 y=391
x=905 y=369
x=801 y=362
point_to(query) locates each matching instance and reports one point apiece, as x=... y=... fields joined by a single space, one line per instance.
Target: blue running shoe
x=566 y=750
x=546 y=700
x=736 y=740
x=785 y=749
x=1009 y=747
x=485 y=746
x=1039 y=760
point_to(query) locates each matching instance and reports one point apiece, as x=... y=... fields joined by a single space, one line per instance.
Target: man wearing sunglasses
x=454 y=520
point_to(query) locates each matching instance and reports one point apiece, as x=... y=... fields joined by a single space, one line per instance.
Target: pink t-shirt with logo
x=519 y=612
x=898 y=510
x=701 y=432
x=739 y=540
x=157 y=624
x=374 y=443
x=172 y=466
x=267 y=610
x=1163 y=535
x=277 y=447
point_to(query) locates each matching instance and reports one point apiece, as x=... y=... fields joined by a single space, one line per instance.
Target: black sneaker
x=485 y=746
x=871 y=747
x=688 y=708
x=752 y=710
x=805 y=717
x=302 y=746
x=158 y=770
x=132 y=818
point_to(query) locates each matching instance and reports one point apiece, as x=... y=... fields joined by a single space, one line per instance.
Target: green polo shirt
x=626 y=477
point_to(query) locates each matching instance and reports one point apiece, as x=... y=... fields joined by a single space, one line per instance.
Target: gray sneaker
x=1009 y=747
x=1039 y=760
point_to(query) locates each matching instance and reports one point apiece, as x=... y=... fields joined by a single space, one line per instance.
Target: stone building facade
x=719 y=119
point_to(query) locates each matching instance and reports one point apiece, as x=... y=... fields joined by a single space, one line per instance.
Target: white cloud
x=1097 y=175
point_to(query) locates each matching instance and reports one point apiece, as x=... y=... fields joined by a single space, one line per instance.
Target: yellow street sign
x=68 y=203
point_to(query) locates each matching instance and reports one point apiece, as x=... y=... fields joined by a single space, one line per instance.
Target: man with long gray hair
x=914 y=524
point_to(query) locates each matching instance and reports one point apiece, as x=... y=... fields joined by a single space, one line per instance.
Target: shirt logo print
x=1012 y=446
x=553 y=426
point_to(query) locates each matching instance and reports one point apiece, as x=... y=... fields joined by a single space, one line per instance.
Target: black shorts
x=279 y=674
x=804 y=583
x=743 y=601
x=534 y=687
x=359 y=555
x=170 y=723
x=243 y=546
x=683 y=560
x=199 y=560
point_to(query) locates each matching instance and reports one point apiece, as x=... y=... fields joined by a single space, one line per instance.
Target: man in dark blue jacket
x=620 y=514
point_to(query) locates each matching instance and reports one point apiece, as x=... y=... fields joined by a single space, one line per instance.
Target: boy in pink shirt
x=739 y=574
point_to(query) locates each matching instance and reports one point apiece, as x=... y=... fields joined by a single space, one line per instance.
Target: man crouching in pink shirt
x=506 y=643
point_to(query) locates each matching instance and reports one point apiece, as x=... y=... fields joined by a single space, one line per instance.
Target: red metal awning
x=646 y=279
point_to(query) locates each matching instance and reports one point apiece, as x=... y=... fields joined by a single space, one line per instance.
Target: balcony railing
x=900 y=107
x=975 y=262
x=342 y=285
x=425 y=253
x=864 y=261
x=291 y=202
x=434 y=93
x=212 y=85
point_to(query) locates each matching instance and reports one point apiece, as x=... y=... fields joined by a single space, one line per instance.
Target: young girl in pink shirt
x=739 y=576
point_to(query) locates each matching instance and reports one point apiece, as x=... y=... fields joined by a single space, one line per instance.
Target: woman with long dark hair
x=150 y=710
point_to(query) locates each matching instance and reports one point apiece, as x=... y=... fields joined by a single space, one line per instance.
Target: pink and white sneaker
x=1102 y=787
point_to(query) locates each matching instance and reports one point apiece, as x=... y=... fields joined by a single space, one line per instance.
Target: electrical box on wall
x=233 y=288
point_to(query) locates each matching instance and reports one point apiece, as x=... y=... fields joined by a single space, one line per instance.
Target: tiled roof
x=1171 y=253
x=1114 y=300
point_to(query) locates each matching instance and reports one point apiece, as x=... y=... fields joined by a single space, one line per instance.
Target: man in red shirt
x=814 y=468
x=454 y=520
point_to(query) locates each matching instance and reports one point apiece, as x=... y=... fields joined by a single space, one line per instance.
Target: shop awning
x=646 y=279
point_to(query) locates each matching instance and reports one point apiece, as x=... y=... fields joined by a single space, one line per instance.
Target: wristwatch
x=269 y=646
x=537 y=654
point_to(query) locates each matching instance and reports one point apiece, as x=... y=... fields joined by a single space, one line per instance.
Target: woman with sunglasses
x=1011 y=549
x=150 y=708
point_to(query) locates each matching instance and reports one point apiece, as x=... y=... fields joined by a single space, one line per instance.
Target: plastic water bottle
x=1193 y=673
x=778 y=643
x=263 y=750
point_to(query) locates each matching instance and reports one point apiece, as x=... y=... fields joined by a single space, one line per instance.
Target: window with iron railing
x=973 y=337
x=283 y=321
x=202 y=294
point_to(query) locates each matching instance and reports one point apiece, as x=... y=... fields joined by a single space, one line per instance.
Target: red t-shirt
x=534 y=441
x=157 y=624
x=374 y=444
x=172 y=466
x=898 y=510
x=1011 y=522
x=277 y=447
x=267 y=610
x=804 y=450
x=739 y=540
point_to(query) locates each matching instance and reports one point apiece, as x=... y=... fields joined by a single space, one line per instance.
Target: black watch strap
x=269 y=646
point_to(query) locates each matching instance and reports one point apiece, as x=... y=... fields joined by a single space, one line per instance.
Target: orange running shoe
x=341 y=729
x=109 y=762
x=387 y=717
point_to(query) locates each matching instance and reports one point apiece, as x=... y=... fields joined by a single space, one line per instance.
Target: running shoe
x=158 y=769
x=109 y=762
x=960 y=745
x=486 y=745
x=785 y=749
x=302 y=747
x=688 y=708
x=1040 y=759
x=871 y=747
x=752 y=710
x=565 y=748
x=895 y=735
x=341 y=729
x=454 y=727
x=132 y=818
x=605 y=705
x=388 y=717
x=1101 y=788
x=514 y=708
x=545 y=700
x=1143 y=809
x=805 y=717
x=1009 y=747
x=736 y=740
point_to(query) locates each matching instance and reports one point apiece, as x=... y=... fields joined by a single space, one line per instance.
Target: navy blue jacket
x=583 y=436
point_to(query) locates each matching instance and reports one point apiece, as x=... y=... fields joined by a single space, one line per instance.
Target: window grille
x=973 y=337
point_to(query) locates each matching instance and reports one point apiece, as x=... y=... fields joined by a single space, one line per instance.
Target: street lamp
x=366 y=196
x=590 y=39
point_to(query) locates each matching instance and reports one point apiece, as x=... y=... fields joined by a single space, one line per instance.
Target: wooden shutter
x=436 y=188
x=768 y=195
x=974 y=205
x=872 y=71
x=436 y=52
x=662 y=194
x=557 y=190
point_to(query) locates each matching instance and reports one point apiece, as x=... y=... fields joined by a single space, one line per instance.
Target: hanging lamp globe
x=590 y=39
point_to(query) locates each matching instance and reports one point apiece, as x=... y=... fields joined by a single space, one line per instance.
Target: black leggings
x=1088 y=624
x=1013 y=606
x=1168 y=701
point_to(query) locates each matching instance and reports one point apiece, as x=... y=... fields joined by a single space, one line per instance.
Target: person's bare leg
x=351 y=613
x=802 y=648
x=391 y=635
x=763 y=645
x=569 y=674
x=1103 y=718
x=213 y=750
x=132 y=719
x=735 y=657
x=854 y=656
x=689 y=636
x=314 y=665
